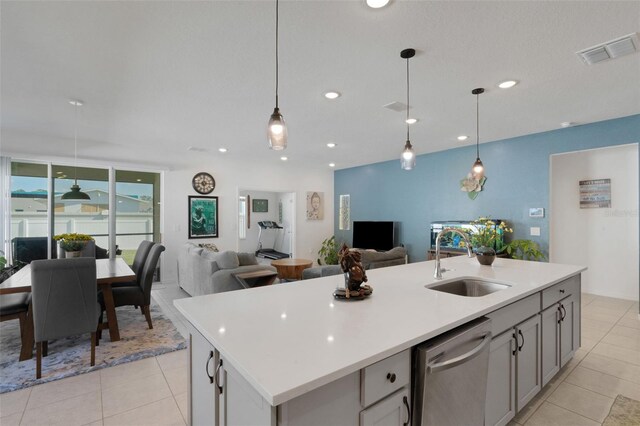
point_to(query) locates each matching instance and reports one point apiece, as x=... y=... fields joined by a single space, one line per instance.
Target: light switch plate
x=534 y=231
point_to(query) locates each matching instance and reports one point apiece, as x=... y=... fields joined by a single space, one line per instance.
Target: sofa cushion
x=209 y=247
x=227 y=260
x=195 y=250
x=247 y=259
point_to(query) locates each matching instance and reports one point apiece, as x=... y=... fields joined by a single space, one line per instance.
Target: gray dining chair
x=64 y=302
x=16 y=306
x=138 y=264
x=139 y=295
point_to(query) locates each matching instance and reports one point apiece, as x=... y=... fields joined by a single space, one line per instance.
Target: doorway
x=605 y=239
x=262 y=205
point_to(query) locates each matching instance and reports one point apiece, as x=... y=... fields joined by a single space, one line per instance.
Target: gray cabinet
x=391 y=411
x=514 y=371
x=528 y=361
x=501 y=380
x=569 y=328
x=550 y=342
x=240 y=403
x=203 y=396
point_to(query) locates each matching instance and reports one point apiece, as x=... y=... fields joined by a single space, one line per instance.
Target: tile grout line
x=568 y=409
x=24 y=410
x=101 y=399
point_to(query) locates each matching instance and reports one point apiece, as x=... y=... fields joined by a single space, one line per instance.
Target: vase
x=73 y=253
x=485 y=255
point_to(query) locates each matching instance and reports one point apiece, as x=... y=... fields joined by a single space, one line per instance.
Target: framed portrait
x=260 y=206
x=203 y=217
x=315 y=205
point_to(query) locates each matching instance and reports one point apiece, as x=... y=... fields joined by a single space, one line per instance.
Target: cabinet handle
x=206 y=367
x=559 y=314
x=564 y=312
x=406 y=404
x=562 y=291
x=521 y=335
x=216 y=376
x=433 y=368
x=515 y=337
x=391 y=377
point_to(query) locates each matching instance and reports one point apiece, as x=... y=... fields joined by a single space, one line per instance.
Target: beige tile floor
x=153 y=391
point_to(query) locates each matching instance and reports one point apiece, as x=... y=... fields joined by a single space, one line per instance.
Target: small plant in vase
x=487 y=238
x=72 y=243
x=328 y=252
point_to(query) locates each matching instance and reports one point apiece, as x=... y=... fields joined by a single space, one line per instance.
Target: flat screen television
x=376 y=235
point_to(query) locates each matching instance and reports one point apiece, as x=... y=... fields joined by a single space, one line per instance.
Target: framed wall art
x=260 y=206
x=315 y=205
x=203 y=217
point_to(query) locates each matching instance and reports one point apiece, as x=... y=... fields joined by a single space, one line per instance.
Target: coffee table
x=291 y=269
x=256 y=278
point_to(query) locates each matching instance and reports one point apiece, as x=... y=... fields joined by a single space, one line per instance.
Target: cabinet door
x=240 y=403
x=568 y=327
x=550 y=342
x=391 y=411
x=501 y=380
x=528 y=361
x=203 y=402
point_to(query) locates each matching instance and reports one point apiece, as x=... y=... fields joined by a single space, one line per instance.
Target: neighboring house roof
x=41 y=193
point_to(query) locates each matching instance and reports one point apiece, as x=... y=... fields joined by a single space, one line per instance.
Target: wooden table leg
x=112 y=319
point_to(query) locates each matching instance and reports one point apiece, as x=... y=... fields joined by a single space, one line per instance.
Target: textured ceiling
x=159 y=77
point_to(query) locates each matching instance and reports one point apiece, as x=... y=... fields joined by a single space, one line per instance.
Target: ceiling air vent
x=396 y=106
x=197 y=149
x=610 y=50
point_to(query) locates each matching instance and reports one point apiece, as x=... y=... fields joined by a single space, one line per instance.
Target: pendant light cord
x=75 y=150
x=407 y=121
x=277 y=53
x=478 y=125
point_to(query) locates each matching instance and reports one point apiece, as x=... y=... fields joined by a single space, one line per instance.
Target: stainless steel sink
x=469 y=287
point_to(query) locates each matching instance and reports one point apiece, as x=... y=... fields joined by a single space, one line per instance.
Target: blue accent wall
x=517 y=173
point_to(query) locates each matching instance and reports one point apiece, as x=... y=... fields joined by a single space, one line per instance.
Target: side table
x=291 y=269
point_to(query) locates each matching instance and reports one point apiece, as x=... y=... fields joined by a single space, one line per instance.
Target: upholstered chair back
x=64 y=295
x=148 y=271
x=141 y=257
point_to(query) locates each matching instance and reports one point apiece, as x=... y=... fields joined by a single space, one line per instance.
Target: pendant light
x=75 y=193
x=277 y=130
x=478 y=168
x=408 y=157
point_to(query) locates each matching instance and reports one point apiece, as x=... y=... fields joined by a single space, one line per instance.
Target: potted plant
x=328 y=252
x=524 y=250
x=486 y=239
x=72 y=243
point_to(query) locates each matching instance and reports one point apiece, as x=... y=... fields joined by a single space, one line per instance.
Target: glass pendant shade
x=478 y=169
x=408 y=158
x=277 y=131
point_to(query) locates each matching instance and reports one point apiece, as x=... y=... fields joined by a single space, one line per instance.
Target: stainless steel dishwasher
x=451 y=376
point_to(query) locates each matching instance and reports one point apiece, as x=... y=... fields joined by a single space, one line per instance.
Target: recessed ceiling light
x=76 y=102
x=507 y=84
x=222 y=149
x=377 y=4
x=411 y=120
x=331 y=145
x=332 y=164
x=284 y=158
x=463 y=138
x=567 y=123
x=332 y=95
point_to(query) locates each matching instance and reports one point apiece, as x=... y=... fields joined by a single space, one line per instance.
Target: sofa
x=370 y=260
x=202 y=271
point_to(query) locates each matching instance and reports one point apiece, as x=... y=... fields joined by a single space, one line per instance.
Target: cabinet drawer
x=514 y=313
x=378 y=380
x=561 y=290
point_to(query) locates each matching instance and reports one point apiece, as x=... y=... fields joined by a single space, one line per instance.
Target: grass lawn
x=128 y=256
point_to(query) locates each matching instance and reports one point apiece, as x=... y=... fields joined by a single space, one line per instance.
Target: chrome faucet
x=438 y=272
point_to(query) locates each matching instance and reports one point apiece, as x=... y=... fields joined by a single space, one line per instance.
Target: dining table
x=108 y=271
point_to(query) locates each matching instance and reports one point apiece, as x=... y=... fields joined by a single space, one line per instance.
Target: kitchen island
x=291 y=354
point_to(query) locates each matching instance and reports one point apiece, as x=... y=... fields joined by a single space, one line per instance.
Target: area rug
x=624 y=412
x=72 y=355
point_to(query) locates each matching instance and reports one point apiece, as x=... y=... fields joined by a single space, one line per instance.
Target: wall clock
x=203 y=183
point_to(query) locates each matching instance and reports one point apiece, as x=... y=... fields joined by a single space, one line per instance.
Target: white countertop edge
x=276 y=399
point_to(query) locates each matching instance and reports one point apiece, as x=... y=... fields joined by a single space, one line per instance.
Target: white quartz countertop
x=288 y=339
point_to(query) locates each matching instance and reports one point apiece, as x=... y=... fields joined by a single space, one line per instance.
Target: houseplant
x=487 y=238
x=524 y=250
x=72 y=243
x=328 y=252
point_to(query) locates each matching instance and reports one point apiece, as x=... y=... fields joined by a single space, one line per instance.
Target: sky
x=29 y=184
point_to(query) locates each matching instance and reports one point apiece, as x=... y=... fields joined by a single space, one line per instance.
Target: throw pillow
x=247 y=259
x=227 y=260
x=209 y=246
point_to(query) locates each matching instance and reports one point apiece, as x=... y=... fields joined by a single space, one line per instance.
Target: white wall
x=604 y=239
x=231 y=176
